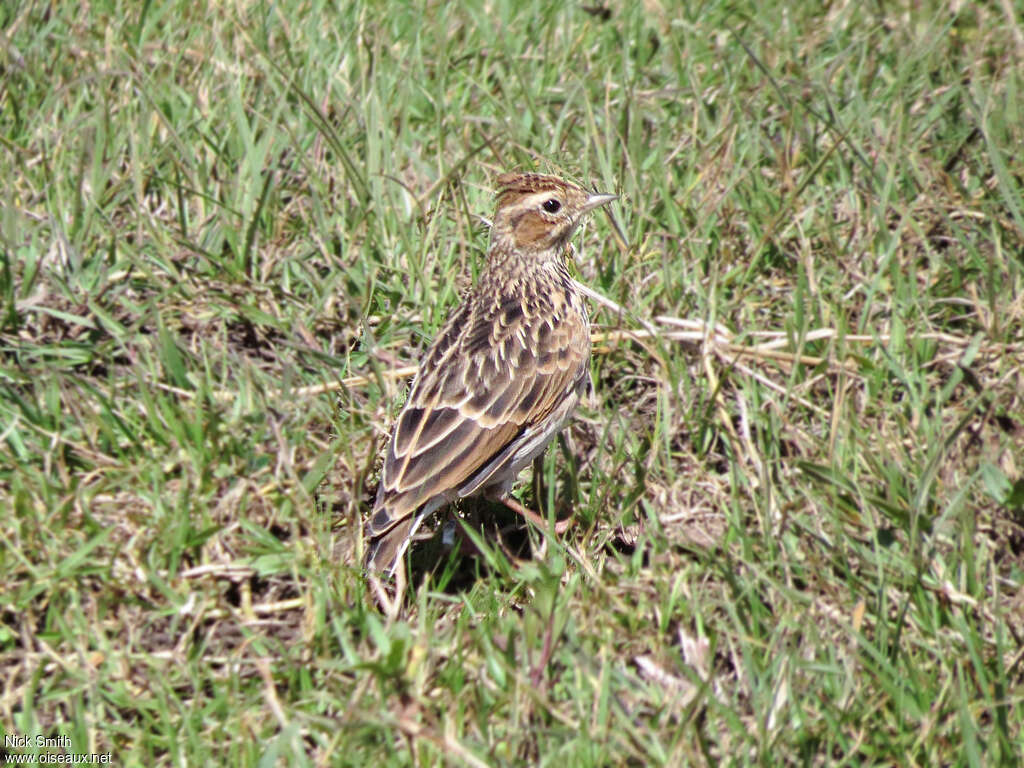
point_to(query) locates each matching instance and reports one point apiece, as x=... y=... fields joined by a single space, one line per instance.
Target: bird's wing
x=489 y=377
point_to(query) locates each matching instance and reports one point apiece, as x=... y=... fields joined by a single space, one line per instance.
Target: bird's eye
x=551 y=206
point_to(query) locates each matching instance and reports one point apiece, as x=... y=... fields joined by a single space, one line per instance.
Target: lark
x=503 y=376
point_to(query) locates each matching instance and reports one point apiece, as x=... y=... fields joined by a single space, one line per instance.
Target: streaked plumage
x=503 y=376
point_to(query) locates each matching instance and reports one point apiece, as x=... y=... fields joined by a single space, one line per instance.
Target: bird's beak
x=596 y=201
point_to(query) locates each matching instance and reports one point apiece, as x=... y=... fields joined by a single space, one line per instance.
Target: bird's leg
x=466 y=545
x=560 y=527
x=539 y=492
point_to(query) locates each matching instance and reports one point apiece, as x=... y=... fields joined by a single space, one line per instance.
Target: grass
x=799 y=539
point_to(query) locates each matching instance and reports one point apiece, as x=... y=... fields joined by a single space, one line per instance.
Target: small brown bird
x=501 y=379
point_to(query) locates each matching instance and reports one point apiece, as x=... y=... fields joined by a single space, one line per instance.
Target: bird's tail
x=384 y=552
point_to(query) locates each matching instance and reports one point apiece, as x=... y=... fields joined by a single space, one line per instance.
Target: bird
x=503 y=376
